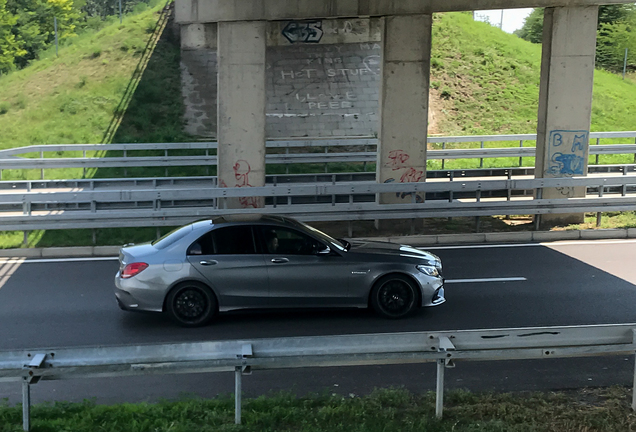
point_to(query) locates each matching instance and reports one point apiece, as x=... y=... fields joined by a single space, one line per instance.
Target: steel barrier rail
x=242 y=356
x=301 y=142
x=190 y=181
x=76 y=219
x=350 y=188
x=283 y=158
x=209 y=145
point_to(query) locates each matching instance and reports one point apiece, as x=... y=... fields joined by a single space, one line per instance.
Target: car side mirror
x=323 y=250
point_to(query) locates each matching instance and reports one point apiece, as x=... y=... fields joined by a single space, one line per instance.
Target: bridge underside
x=259 y=69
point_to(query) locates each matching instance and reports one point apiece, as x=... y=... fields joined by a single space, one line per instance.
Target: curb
x=509 y=237
x=415 y=240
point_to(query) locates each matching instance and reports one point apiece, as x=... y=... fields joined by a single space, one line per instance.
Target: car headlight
x=428 y=270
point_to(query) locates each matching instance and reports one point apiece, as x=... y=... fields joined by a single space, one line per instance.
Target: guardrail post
x=238 y=376
x=481 y=160
x=42 y=169
x=439 y=392
x=444 y=148
x=520 y=157
x=634 y=383
x=26 y=404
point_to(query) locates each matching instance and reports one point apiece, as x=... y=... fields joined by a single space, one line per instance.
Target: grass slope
x=74 y=98
x=488 y=82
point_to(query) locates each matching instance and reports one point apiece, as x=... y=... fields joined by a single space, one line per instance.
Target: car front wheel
x=394 y=296
x=191 y=304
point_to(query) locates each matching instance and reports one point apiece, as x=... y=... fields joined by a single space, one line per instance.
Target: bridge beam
x=565 y=100
x=201 y=11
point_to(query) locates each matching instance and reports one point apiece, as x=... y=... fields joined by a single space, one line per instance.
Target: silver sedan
x=243 y=262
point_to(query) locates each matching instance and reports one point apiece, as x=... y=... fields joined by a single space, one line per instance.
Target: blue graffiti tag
x=568 y=164
x=578 y=143
x=567 y=152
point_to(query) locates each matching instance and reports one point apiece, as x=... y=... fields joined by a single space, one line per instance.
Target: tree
x=34 y=28
x=616 y=31
x=532 y=29
x=10 y=48
x=612 y=41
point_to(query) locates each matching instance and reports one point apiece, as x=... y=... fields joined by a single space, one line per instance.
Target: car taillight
x=133 y=269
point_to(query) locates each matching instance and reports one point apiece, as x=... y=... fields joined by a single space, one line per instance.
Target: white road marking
x=509 y=279
x=503 y=245
x=55 y=260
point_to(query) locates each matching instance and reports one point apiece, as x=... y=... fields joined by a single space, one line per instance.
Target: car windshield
x=324 y=237
x=172 y=237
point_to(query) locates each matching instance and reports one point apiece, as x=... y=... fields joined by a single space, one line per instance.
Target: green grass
x=485 y=81
x=74 y=98
x=388 y=410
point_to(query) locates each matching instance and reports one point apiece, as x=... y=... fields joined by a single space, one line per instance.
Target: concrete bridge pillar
x=565 y=100
x=241 y=107
x=404 y=102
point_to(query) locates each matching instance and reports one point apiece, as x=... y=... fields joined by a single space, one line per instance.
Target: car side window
x=232 y=240
x=285 y=241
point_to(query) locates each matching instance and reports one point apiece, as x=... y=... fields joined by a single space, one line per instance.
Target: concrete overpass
x=257 y=69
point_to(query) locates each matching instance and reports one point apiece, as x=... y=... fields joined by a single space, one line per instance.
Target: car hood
x=393 y=249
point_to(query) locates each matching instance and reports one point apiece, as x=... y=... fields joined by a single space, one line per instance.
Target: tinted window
x=233 y=240
x=285 y=241
x=172 y=237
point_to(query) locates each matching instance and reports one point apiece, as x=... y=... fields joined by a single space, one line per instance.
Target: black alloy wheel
x=191 y=304
x=394 y=296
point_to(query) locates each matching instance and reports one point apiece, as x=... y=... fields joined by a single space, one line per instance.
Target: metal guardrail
x=9 y=159
x=197 y=203
x=243 y=356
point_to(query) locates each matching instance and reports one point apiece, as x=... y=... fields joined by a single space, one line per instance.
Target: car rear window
x=171 y=237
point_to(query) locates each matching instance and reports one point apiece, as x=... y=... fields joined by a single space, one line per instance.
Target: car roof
x=253 y=218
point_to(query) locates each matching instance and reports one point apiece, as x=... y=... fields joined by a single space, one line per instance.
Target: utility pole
x=501 y=22
x=625 y=64
x=120 y=18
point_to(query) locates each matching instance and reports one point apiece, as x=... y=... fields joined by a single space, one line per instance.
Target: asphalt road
x=46 y=303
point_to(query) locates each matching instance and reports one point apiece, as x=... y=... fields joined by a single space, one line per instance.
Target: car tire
x=191 y=304
x=394 y=296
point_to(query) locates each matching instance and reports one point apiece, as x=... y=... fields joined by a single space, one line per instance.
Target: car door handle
x=208 y=262
x=279 y=260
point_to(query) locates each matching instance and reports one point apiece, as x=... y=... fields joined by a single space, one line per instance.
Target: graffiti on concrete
x=567 y=150
x=402 y=195
x=397 y=158
x=242 y=170
x=303 y=31
x=411 y=175
x=566 y=191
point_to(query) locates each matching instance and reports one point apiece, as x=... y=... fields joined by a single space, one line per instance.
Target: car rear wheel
x=191 y=304
x=394 y=296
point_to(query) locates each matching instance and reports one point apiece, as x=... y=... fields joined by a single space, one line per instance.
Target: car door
x=227 y=258
x=298 y=276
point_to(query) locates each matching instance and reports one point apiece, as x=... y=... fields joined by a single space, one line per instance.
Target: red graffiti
x=411 y=175
x=242 y=170
x=222 y=184
x=397 y=159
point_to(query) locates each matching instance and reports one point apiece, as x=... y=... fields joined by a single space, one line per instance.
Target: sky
x=512 y=18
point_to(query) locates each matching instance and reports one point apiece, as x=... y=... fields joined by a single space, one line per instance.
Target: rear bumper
x=131 y=295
